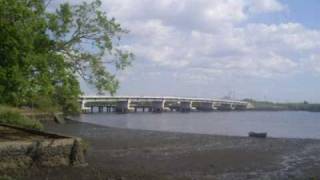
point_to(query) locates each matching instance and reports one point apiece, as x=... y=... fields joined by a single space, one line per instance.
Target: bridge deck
x=158 y=104
x=158 y=98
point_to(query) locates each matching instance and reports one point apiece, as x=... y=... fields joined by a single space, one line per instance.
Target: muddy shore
x=135 y=154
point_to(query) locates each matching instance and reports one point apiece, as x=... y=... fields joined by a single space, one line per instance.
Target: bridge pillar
x=158 y=106
x=100 y=109
x=206 y=106
x=240 y=107
x=123 y=106
x=185 y=106
x=225 y=107
x=83 y=107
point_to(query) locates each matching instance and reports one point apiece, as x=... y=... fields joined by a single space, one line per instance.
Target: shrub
x=13 y=116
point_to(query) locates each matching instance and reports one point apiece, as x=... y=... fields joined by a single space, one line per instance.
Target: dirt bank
x=133 y=154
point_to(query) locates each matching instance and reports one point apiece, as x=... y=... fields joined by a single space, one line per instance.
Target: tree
x=43 y=54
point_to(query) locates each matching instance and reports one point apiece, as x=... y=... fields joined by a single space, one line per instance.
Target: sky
x=261 y=49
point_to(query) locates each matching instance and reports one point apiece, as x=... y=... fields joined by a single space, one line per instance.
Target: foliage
x=267 y=105
x=13 y=116
x=4 y=177
x=44 y=53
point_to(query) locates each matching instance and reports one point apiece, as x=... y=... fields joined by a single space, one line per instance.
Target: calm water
x=277 y=124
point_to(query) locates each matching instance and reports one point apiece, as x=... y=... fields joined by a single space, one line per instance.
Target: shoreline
x=188 y=133
x=298 y=125
x=142 y=154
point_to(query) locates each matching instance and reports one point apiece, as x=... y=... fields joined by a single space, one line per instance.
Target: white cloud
x=289 y=35
x=205 y=40
x=272 y=51
x=313 y=63
x=214 y=36
x=261 y=6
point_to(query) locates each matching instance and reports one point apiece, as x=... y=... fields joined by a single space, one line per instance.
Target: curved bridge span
x=126 y=104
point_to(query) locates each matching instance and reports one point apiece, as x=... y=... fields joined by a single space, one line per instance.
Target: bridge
x=125 y=104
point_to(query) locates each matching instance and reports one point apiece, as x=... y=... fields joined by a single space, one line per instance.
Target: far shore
x=138 y=154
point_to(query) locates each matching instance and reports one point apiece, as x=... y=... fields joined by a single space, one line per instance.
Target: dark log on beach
x=258 y=135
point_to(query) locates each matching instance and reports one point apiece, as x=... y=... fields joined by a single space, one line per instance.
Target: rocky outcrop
x=41 y=149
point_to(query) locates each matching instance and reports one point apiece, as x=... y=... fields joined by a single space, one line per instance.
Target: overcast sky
x=264 y=49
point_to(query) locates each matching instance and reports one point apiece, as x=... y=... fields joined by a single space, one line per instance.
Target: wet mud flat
x=115 y=153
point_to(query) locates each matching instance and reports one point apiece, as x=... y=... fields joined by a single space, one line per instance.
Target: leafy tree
x=43 y=53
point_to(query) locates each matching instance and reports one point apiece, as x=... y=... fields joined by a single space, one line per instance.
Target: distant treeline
x=272 y=106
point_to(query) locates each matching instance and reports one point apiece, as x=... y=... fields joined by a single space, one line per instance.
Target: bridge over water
x=126 y=104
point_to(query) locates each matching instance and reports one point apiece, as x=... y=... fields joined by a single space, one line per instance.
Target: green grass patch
x=6 y=177
x=14 y=116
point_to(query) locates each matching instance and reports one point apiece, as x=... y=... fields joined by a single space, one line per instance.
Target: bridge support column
x=158 y=106
x=225 y=107
x=123 y=106
x=185 y=106
x=206 y=106
x=100 y=109
x=83 y=106
x=240 y=107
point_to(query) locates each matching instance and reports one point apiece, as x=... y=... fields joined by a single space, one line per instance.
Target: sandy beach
x=115 y=153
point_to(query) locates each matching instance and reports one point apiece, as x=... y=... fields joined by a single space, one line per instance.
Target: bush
x=13 y=116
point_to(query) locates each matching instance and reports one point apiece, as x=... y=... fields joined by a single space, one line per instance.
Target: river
x=289 y=124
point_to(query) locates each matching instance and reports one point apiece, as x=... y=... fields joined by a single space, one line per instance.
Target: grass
x=6 y=177
x=14 y=116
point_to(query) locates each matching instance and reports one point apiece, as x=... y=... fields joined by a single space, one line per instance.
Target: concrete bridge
x=125 y=104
